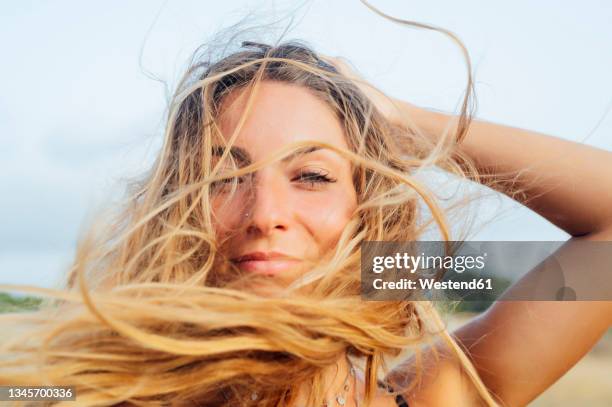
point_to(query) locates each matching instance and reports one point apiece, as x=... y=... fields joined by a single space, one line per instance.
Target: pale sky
x=78 y=112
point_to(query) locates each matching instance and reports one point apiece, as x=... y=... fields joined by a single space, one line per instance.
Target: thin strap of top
x=399 y=399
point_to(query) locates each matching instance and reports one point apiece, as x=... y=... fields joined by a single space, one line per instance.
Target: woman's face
x=292 y=211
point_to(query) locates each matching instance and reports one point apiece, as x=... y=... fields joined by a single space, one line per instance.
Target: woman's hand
x=393 y=109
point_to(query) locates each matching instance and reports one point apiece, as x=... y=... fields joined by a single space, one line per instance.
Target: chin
x=266 y=288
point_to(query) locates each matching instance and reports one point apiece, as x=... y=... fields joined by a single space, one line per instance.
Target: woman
x=231 y=276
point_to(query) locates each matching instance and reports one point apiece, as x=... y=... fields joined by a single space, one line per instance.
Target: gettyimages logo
x=413 y=263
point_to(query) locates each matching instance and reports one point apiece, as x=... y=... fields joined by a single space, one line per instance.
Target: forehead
x=280 y=114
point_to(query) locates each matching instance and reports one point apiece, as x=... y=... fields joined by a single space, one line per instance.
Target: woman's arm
x=521 y=347
x=568 y=183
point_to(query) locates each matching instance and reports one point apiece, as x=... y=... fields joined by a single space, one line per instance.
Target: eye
x=224 y=185
x=314 y=177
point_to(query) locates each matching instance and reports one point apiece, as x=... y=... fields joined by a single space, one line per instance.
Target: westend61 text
x=431 y=284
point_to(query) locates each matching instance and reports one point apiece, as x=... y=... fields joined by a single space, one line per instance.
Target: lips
x=268 y=263
x=260 y=256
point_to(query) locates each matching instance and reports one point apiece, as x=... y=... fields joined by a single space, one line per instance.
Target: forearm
x=568 y=183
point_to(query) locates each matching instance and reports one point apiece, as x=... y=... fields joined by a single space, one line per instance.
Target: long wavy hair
x=153 y=313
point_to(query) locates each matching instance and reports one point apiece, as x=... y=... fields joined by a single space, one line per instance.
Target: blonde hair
x=153 y=312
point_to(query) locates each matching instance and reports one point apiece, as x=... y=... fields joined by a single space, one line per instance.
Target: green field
x=10 y=303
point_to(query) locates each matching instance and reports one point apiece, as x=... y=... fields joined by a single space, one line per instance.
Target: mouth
x=267 y=263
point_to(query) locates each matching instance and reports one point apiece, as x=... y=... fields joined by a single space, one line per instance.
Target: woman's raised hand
x=393 y=109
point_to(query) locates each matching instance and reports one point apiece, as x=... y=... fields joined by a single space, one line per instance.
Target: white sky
x=77 y=111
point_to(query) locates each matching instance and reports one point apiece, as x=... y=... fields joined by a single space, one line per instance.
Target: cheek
x=327 y=216
x=227 y=214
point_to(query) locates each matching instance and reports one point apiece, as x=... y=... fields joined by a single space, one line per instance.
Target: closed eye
x=313 y=177
x=223 y=185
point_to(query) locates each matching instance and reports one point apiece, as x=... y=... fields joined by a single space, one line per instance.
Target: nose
x=269 y=208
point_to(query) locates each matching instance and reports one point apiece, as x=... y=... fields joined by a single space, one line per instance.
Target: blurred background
x=85 y=84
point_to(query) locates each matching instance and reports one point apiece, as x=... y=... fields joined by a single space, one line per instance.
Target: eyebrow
x=238 y=153
x=243 y=157
x=300 y=152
